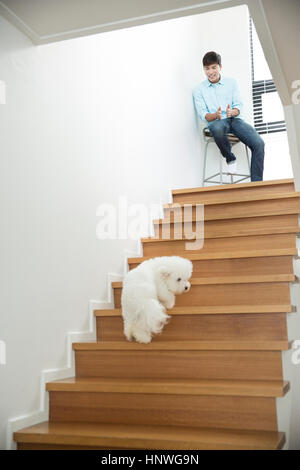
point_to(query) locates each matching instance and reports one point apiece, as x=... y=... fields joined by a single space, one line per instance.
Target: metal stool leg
x=240 y=177
x=204 y=164
x=248 y=160
x=231 y=175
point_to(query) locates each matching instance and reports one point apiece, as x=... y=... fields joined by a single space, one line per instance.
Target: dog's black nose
x=186 y=288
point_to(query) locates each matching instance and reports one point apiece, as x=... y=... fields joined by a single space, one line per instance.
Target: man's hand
x=229 y=111
x=213 y=116
x=232 y=112
x=219 y=113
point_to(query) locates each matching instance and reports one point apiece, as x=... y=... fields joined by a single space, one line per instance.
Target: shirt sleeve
x=200 y=105
x=236 y=97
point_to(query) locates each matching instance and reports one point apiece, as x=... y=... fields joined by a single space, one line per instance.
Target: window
x=267 y=107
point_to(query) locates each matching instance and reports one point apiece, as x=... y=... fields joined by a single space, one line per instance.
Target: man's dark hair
x=211 y=58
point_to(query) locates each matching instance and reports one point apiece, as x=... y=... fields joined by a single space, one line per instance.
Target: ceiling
x=45 y=21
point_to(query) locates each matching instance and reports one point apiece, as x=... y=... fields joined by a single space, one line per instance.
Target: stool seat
x=233 y=139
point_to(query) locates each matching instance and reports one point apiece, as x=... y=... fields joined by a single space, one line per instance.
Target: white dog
x=150 y=288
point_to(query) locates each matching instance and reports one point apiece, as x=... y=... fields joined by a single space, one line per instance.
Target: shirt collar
x=221 y=82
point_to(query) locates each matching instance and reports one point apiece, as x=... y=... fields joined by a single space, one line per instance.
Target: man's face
x=213 y=72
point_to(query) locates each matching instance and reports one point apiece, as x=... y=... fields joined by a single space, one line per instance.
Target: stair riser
x=240 y=209
x=206 y=327
x=263 y=293
x=234 y=192
x=240 y=266
x=219 y=245
x=236 y=412
x=221 y=228
x=246 y=365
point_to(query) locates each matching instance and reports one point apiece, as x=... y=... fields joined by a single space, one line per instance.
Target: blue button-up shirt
x=208 y=97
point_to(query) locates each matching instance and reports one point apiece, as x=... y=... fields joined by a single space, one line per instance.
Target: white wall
x=235 y=52
x=88 y=120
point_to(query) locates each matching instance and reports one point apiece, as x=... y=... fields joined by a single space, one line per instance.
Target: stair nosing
x=147 y=436
x=210 y=345
x=225 y=216
x=211 y=310
x=225 y=254
x=235 y=186
x=294 y=228
x=252 y=198
x=261 y=388
x=219 y=280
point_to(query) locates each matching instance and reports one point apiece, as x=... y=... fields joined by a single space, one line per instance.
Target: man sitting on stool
x=218 y=103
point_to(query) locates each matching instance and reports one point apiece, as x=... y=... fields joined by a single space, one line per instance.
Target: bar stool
x=233 y=139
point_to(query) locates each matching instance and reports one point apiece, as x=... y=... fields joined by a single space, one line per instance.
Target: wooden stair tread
x=234 y=279
x=236 y=186
x=233 y=345
x=148 y=436
x=210 y=310
x=230 y=254
x=229 y=216
x=257 y=388
x=224 y=254
x=237 y=199
x=237 y=235
x=247 y=231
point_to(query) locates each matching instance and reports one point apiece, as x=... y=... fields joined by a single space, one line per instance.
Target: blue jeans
x=247 y=134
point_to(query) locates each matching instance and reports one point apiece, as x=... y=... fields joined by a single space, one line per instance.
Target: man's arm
x=213 y=116
x=237 y=102
x=200 y=105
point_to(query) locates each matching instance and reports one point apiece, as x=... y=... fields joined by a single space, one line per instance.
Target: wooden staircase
x=211 y=379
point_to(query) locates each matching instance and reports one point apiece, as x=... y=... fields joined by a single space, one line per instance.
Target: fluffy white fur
x=148 y=290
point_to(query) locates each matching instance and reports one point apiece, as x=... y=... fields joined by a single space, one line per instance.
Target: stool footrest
x=233 y=139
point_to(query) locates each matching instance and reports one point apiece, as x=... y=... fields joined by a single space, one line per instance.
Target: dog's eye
x=179 y=279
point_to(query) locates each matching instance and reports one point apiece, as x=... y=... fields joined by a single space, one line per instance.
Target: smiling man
x=219 y=105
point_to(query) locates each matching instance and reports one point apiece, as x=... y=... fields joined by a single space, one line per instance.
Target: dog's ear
x=164 y=272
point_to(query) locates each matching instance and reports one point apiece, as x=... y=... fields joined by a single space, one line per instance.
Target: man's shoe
x=232 y=167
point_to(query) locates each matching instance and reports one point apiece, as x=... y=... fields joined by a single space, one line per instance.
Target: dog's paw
x=143 y=338
x=129 y=338
x=170 y=303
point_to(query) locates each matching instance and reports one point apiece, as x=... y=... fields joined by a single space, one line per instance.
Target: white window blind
x=267 y=107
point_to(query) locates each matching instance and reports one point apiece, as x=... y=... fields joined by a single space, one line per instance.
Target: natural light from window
x=277 y=157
